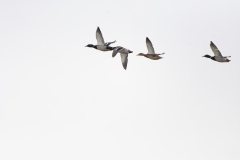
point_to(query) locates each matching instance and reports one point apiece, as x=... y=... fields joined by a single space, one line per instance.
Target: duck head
x=140 y=54
x=207 y=56
x=90 y=45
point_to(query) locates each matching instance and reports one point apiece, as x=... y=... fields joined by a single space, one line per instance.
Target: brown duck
x=151 y=53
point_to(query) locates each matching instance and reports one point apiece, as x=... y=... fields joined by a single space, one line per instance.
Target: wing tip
x=125 y=66
x=98 y=29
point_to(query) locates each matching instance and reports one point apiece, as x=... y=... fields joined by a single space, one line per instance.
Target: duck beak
x=130 y=51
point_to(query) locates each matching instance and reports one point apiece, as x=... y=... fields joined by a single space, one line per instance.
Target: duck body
x=104 y=48
x=101 y=45
x=150 y=56
x=220 y=59
x=217 y=58
x=151 y=52
x=217 y=54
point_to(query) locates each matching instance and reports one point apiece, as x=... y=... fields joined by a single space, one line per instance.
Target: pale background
x=61 y=100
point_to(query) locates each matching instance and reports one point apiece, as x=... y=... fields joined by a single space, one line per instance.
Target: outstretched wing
x=124 y=58
x=160 y=53
x=150 y=46
x=116 y=50
x=215 y=50
x=108 y=43
x=99 y=37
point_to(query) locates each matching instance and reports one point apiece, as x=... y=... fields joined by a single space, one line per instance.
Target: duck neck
x=213 y=58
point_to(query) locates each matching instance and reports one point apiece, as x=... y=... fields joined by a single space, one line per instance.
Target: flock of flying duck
x=102 y=46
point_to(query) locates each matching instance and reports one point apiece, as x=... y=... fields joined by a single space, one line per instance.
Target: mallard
x=217 y=54
x=101 y=45
x=151 y=53
x=123 y=53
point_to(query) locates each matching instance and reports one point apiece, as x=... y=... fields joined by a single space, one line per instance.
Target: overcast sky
x=61 y=100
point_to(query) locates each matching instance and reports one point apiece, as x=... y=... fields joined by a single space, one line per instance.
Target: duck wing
x=215 y=50
x=149 y=46
x=108 y=43
x=99 y=37
x=116 y=50
x=124 y=58
x=160 y=53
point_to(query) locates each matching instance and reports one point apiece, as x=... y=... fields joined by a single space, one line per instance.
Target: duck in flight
x=123 y=53
x=151 y=53
x=217 y=54
x=101 y=45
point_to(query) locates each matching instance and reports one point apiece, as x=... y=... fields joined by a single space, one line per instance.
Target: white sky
x=61 y=100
